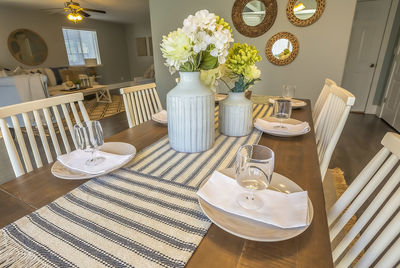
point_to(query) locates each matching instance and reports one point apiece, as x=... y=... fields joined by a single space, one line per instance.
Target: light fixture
x=300 y=6
x=75 y=17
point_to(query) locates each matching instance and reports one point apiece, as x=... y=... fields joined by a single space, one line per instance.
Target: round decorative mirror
x=27 y=47
x=304 y=12
x=253 y=18
x=282 y=48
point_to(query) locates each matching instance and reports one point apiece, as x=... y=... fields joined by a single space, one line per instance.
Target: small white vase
x=235 y=115
x=190 y=107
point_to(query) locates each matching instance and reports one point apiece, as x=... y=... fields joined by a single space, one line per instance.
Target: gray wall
x=111 y=38
x=138 y=64
x=323 y=45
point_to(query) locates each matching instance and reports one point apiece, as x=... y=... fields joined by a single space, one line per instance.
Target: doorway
x=391 y=103
x=370 y=20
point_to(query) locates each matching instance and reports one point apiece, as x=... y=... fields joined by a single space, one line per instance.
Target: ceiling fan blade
x=83 y=13
x=94 y=10
x=44 y=9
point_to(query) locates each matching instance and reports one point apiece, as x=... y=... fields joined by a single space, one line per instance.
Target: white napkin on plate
x=280 y=209
x=76 y=160
x=269 y=126
x=161 y=117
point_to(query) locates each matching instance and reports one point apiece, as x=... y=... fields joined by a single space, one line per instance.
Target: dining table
x=295 y=157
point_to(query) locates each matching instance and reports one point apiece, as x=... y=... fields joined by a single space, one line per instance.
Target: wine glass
x=89 y=137
x=288 y=91
x=254 y=169
x=282 y=110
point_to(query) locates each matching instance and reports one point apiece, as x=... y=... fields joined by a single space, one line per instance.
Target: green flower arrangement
x=240 y=66
x=239 y=69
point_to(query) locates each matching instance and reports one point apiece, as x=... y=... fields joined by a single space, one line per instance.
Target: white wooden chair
x=323 y=96
x=141 y=102
x=384 y=205
x=330 y=123
x=22 y=113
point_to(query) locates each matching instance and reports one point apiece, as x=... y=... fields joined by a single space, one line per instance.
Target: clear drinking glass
x=288 y=91
x=89 y=137
x=282 y=110
x=254 y=169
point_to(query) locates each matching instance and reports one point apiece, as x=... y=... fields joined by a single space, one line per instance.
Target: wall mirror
x=27 y=47
x=304 y=12
x=253 y=18
x=282 y=48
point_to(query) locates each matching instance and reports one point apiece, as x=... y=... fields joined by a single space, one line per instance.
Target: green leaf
x=187 y=67
x=208 y=62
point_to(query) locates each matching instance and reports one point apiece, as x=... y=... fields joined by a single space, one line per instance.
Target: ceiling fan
x=75 y=11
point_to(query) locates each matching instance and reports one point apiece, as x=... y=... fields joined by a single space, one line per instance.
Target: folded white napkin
x=76 y=160
x=161 y=117
x=280 y=209
x=270 y=126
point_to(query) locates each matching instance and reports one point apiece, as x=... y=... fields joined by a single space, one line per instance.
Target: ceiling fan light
x=79 y=17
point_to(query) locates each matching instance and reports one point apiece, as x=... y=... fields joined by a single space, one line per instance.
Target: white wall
x=323 y=45
x=138 y=64
x=111 y=38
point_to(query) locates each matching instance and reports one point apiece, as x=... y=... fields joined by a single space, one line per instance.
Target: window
x=81 y=45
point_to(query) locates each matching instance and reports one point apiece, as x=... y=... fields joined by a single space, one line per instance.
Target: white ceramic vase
x=235 y=115
x=190 y=107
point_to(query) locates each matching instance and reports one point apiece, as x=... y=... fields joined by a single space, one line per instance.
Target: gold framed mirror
x=304 y=12
x=253 y=18
x=27 y=47
x=282 y=48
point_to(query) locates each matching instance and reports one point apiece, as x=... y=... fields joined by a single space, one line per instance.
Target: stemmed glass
x=288 y=91
x=254 y=169
x=89 y=137
x=282 y=110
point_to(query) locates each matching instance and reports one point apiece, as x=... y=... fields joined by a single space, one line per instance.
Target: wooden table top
x=295 y=158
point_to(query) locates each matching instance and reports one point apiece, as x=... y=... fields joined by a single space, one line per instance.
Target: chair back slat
x=157 y=99
x=141 y=102
x=359 y=182
x=11 y=149
x=21 y=143
x=323 y=96
x=61 y=129
x=69 y=123
x=52 y=132
x=330 y=123
x=368 y=213
x=49 y=109
x=138 y=108
x=375 y=228
x=43 y=137
x=390 y=259
x=128 y=108
x=146 y=105
x=32 y=140
x=83 y=111
x=134 y=110
x=149 y=102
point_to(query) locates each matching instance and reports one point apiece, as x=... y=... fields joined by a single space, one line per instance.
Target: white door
x=391 y=106
x=365 y=41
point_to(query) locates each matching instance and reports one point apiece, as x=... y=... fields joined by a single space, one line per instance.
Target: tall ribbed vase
x=190 y=107
x=235 y=115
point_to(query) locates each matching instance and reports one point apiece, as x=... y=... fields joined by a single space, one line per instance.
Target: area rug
x=98 y=110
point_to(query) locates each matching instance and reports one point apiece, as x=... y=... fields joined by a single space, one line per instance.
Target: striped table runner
x=146 y=215
x=123 y=219
x=160 y=160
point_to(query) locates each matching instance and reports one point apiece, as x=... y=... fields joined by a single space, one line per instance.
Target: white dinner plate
x=254 y=230
x=280 y=133
x=296 y=104
x=121 y=148
x=160 y=117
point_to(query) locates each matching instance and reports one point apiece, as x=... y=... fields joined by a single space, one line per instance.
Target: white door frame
x=372 y=108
